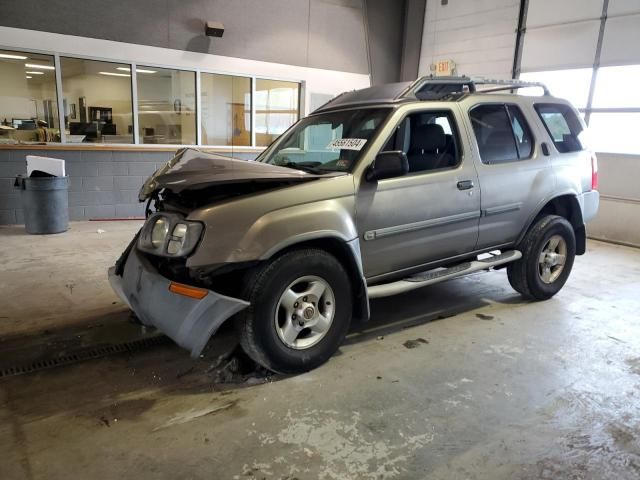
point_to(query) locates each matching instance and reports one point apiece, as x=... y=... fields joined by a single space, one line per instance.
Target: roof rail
x=433 y=88
x=511 y=84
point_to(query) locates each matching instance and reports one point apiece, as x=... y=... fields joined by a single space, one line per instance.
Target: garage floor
x=461 y=380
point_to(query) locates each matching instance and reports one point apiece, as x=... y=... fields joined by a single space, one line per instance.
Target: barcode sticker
x=347 y=143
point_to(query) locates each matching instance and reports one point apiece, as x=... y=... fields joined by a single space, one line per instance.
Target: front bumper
x=187 y=321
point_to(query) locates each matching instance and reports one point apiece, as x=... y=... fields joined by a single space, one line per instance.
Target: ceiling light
x=35 y=73
x=115 y=74
x=29 y=76
x=42 y=67
x=138 y=70
x=14 y=57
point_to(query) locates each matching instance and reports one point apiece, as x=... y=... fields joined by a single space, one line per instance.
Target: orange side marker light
x=187 y=291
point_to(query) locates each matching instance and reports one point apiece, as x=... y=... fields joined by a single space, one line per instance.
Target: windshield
x=327 y=142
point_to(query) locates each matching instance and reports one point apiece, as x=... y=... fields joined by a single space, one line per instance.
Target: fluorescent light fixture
x=138 y=70
x=35 y=73
x=28 y=76
x=41 y=67
x=14 y=57
x=115 y=74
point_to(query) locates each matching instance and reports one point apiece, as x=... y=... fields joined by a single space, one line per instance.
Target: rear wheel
x=300 y=311
x=548 y=251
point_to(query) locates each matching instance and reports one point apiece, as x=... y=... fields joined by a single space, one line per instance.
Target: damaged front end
x=152 y=276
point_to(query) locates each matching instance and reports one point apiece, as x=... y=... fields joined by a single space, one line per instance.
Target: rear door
x=514 y=174
x=429 y=214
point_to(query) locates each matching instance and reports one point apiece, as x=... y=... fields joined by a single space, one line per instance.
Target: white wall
x=619 y=217
x=478 y=35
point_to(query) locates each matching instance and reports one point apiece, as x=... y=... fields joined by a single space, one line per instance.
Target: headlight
x=169 y=235
x=177 y=238
x=159 y=232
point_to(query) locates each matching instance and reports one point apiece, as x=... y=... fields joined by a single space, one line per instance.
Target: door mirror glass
x=388 y=165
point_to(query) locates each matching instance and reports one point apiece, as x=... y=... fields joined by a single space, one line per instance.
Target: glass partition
x=28 y=101
x=226 y=109
x=166 y=106
x=277 y=108
x=97 y=101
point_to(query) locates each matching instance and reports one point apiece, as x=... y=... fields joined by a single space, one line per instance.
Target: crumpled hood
x=194 y=169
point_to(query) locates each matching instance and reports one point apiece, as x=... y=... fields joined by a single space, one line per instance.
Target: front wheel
x=548 y=251
x=300 y=311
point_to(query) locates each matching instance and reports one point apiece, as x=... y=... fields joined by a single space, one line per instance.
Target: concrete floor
x=493 y=388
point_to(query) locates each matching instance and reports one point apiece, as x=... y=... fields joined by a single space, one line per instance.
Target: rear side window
x=502 y=133
x=563 y=126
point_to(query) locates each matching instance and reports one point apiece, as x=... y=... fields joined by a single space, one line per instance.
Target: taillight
x=594 y=172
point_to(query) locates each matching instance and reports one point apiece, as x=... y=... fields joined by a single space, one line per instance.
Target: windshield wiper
x=304 y=168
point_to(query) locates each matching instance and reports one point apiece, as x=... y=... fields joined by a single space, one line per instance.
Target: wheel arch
x=348 y=254
x=566 y=206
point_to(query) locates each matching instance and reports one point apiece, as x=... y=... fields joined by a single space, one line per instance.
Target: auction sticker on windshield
x=347 y=143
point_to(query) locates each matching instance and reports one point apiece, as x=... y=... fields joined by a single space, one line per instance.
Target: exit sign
x=444 y=68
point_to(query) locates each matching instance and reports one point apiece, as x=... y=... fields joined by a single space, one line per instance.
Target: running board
x=430 y=277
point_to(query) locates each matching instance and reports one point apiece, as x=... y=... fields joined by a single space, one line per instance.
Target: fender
x=574 y=216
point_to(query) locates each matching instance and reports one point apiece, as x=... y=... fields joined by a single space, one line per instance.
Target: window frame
x=455 y=132
x=526 y=127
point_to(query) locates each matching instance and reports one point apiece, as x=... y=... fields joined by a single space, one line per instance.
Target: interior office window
x=563 y=126
x=97 y=101
x=166 y=105
x=28 y=101
x=616 y=131
x=501 y=132
x=226 y=109
x=572 y=85
x=277 y=108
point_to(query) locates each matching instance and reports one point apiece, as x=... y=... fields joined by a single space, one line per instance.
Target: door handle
x=465 y=184
x=545 y=149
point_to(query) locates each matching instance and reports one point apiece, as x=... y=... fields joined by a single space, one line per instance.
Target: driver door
x=430 y=214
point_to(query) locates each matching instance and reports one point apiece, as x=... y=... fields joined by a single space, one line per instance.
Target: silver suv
x=378 y=192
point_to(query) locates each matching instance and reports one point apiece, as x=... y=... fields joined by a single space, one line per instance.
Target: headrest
x=429 y=137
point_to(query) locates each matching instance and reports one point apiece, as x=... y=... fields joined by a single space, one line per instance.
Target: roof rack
x=440 y=88
x=425 y=88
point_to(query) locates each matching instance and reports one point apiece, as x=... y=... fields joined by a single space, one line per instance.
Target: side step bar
x=430 y=277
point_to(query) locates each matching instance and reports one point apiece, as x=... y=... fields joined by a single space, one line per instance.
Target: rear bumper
x=590 y=202
x=187 y=321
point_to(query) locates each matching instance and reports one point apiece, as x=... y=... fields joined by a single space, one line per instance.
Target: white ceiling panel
x=562 y=46
x=554 y=12
x=621 y=40
x=623 y=7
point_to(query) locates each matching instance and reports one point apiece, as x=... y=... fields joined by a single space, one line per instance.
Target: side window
x=501 y=132
x=521 y=131
x=563 y=126
x=429 y=139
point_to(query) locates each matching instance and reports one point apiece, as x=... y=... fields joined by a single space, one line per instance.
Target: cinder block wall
x=102 y=184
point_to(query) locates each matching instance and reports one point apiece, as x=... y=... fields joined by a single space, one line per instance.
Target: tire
x=268 y=333
x=534 y=278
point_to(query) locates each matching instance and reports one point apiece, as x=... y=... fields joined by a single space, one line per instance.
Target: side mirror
x=388 y=165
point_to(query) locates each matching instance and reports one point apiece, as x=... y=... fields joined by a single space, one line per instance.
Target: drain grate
x=85 y=354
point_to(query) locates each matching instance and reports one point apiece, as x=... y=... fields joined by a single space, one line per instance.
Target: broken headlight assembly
x=169 y=235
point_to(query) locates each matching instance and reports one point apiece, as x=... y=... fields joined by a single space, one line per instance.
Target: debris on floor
x=415 y=343
x=482 y=316
x=235 y=367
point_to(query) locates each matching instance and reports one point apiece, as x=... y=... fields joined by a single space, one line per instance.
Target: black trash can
x=45 y=202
